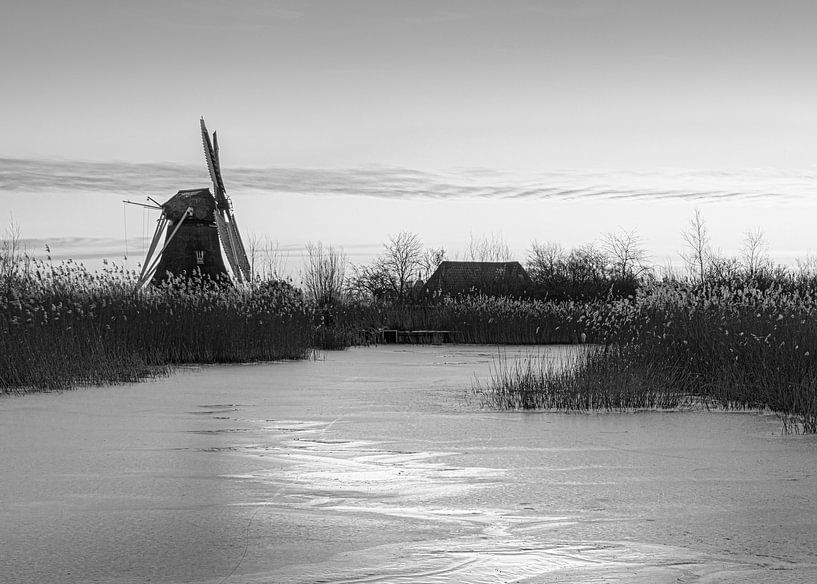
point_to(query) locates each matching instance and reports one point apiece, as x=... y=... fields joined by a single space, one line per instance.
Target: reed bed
x=592 y=379
x=728 y=346
x=62 y=326
x=473 y=319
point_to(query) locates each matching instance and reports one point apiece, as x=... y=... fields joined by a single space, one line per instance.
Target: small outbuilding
x=493 y=278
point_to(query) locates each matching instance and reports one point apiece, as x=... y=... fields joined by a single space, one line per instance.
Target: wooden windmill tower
x=197 y=226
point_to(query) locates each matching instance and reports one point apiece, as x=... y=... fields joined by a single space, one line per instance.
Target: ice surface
x=377 y=465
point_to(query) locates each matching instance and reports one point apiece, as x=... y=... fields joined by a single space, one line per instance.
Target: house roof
x=455 y=277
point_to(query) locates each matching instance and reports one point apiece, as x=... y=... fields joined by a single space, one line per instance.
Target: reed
x=62 y=326
x=592 y=379
x=473 y=319
x=730 y=346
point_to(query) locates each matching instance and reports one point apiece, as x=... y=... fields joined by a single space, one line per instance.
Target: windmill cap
x=200 y=200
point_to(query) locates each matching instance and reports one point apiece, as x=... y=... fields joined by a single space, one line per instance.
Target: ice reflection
x=480 y=562
x=354 y=479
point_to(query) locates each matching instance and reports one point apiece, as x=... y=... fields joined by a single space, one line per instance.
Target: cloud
x=162 y=180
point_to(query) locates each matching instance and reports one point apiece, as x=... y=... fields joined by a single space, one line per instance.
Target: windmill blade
x=157 y=235
x=241 y=253
x=216 y=159
x=147 y=274
x=210 y=155
x=238 y=248
x=227 y=243
x=217 y=166
x=225 y=221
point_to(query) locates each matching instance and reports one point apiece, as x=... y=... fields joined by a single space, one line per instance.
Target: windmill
x=193 y=223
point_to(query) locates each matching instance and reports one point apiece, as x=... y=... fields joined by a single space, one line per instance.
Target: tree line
x=614 y=266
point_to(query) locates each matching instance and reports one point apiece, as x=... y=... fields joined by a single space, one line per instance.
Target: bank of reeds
x=732 y=346
x=62 y=326
x=472 y=319
x=591 y=379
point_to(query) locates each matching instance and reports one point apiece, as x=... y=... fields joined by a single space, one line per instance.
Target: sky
x=519 y=105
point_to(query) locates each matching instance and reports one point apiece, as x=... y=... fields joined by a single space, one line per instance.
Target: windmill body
x=197 y=231
x=194 y=249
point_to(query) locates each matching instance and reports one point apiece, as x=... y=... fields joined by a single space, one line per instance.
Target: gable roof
x=459 y=277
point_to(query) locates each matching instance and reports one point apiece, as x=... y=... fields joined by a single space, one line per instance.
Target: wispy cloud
x=163 y=180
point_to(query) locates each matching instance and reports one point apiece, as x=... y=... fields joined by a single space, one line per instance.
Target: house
x=493 y=278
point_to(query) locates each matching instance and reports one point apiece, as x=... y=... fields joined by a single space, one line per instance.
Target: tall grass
x=62 y=326
x=734 y=346
x=591 y=379
x=472 y=319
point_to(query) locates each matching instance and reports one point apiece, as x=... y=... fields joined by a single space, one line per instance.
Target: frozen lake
x=378 y=465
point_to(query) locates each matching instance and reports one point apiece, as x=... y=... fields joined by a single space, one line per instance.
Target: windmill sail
x=225 y=220
x=211 y=156
x=227 y=244
x=148 y=271
x=146 y=274
x=238 y=246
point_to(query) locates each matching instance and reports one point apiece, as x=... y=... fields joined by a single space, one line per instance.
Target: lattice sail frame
x=225 y=220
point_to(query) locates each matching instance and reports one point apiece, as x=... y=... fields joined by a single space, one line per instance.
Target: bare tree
x=430 y=261
x=324 y=274
x=401 y=259
x=369 y=281
x=253 y=251
x=626 y=252
x=587 y=264
x=807 y=266
x=13 y=256
x=391 y=274
x=488 y=248
x=754 y=252
x=546 y=261
x=722 y=268
x=698 y=251
x=266 y=261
